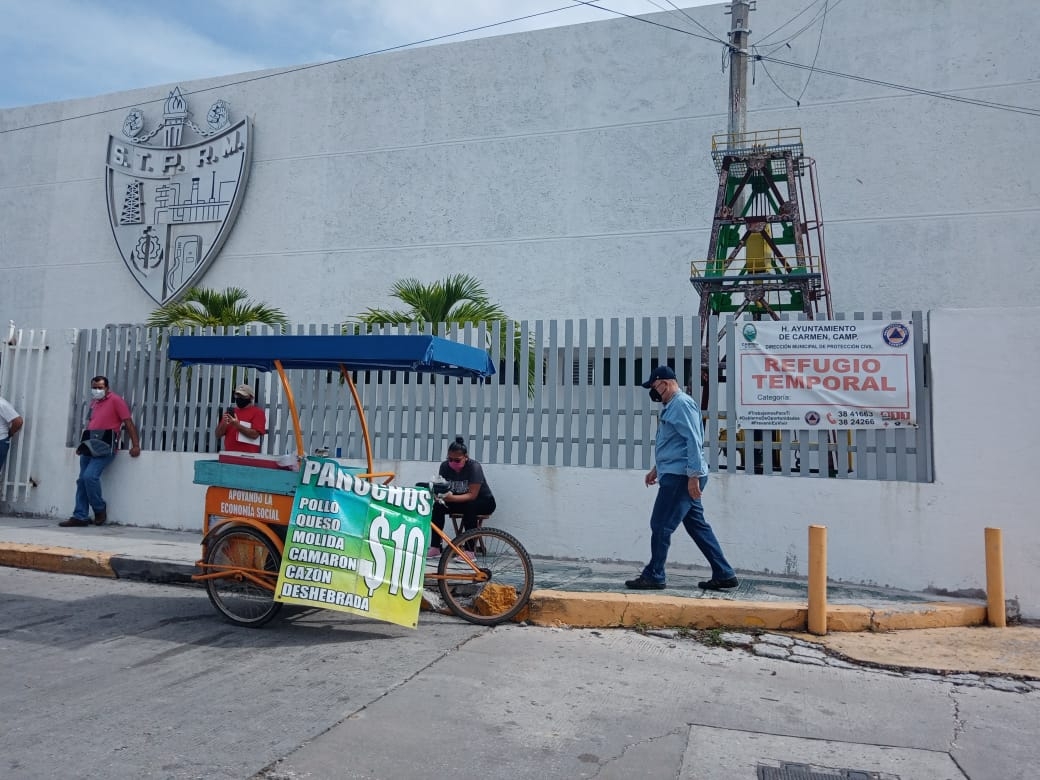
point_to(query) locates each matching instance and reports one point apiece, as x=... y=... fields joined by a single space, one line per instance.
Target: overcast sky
x=61 y=49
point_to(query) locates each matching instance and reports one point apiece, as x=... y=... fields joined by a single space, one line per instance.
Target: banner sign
x=826 y=374
x=354 y=545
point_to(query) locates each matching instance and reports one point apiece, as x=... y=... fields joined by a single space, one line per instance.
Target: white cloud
x=60 y=49
x=79 y=49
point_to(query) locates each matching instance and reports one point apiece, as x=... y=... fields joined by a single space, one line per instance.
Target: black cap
x=661 y=372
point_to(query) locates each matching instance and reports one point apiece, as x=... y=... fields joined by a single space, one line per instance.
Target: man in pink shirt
x=108 y=415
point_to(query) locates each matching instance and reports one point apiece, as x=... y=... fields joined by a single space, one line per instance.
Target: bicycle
x=485 y=575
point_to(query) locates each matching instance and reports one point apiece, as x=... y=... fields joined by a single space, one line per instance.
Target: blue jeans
x=5 y=445
x=88 y=486
x=673 y=506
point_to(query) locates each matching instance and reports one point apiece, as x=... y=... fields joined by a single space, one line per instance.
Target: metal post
x=995 y=609
x=817 y=622
x=738 y=54
x=738 y=59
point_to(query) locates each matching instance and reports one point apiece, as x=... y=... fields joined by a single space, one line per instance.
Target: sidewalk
x=862 y=621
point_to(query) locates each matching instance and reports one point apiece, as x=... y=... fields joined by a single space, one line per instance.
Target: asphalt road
x=119 y=679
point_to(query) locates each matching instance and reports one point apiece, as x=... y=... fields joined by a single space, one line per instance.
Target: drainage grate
x=789 y=771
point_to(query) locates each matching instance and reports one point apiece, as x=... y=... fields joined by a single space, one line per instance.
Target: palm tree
x=203 y=308
x=230 y=308
x=457 y=299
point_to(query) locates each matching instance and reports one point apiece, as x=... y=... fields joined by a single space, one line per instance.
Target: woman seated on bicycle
x=468 y=492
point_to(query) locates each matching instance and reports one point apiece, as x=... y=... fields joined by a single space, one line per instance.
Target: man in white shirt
x=10 y=423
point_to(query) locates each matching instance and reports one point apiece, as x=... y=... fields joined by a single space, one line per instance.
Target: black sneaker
x=714 y=584
x=641 y=583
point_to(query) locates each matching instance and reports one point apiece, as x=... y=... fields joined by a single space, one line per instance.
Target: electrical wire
x=590 y=3
x=787 y=41
x=904 y=88
x=677 y=12
x=782 y=91
x=767 y=36
x=299 y=68
x=680 y=10
x=819 y=42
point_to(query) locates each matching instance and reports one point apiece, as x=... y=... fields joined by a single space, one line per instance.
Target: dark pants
x=673 y=507
x=469 y=511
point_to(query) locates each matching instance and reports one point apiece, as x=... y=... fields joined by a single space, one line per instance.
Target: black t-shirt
x=458 y=481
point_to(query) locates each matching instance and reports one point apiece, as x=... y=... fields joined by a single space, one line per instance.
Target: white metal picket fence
x=21 y=370
x=567 y=393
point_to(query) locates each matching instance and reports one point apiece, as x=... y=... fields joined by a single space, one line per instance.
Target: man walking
x=108 y=415
x=681 y=473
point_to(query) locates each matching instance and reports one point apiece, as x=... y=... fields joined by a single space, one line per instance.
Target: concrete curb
x=562 y=608
x=62 y=560
x=605 y=610
x=147 y=570
x=70 y=560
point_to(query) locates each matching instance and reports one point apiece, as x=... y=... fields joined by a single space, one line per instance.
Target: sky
x=53 y=50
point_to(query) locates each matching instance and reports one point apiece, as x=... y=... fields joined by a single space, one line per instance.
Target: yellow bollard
x=818 y=579
x=995 y=608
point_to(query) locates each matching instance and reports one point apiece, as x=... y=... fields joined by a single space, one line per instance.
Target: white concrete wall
x=912 y=536
x=569 y=169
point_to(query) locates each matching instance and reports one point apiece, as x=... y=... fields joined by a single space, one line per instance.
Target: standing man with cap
x=243 y=424
x=10 y=423
x=681 y=473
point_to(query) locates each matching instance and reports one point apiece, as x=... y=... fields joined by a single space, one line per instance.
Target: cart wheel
x=509 y=583
x=241 y=599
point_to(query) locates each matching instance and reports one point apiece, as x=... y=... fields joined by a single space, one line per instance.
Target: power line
x=299 y=68
x=590 y=3
x=714 y=38
x=904 y=88
x=819 y=43
x=787 y=41
x=767 y=36
x=782 y=91
x=677 y=8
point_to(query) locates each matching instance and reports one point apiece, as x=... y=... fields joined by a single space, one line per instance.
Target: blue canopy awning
x=425 y=354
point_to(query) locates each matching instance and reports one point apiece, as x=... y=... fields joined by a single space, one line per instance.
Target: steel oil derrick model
x=766 y=253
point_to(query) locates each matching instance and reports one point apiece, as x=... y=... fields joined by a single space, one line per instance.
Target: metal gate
x=21 y=373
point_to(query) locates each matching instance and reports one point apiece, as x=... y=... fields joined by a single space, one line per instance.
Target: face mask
x=97 y=393
x=655 y=396
x=455 y=466
x=241 y=402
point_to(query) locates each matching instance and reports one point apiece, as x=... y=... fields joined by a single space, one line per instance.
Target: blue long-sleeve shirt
x=680 y=437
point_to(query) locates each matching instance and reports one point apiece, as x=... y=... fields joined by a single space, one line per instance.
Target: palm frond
x=459 y=299
x=202 y=307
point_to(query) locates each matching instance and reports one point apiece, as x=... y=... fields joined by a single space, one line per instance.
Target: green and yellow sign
x=354 y=545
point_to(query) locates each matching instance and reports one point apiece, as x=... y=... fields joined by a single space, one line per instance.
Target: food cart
x=262 y=511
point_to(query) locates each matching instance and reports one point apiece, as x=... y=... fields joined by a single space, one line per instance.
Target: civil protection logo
x=896 y=335
x=171 y=206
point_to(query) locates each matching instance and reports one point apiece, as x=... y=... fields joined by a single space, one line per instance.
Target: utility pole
x=740 y=10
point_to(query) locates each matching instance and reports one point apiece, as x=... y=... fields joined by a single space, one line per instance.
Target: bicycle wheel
x=509 y=583
x=241 y=599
